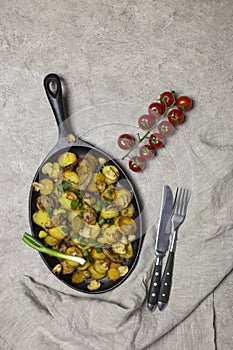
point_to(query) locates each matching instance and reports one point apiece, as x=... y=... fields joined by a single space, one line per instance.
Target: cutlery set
x=172 y=215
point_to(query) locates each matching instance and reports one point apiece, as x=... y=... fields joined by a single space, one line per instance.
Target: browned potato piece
x=93 y=285
x=95 y=254
x=109 y=192
x=41 y=218
x=51 y=241
x=113 y=274
x=67 y=159
x=57 y=232
x=71 y=176
x=126 y=225
x=110 y=212
x=94 y=274
x=80 y=276
x=74 y=251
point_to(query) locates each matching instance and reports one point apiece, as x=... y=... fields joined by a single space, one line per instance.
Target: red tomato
x=167 y=98
x=146 y=121
x=165 y=128
x=125 y=141
x=136 y=164
x=155 y=109
x=176 y=116
x=146 y=152
x=184 y=102
x=156 y=141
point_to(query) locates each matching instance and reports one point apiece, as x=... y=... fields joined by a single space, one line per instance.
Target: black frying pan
x=81 y=148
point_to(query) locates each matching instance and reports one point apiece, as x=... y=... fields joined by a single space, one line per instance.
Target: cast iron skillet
x=52 y=85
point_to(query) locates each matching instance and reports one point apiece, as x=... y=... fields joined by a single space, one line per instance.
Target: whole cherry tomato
x=184 y=102
x=155 y=109
x=176 y=116
x=146 y=121
x=146 y=152
x=165 y=128
x=125 y=141
x=136 y=164
x=167 y=98
x=156 y=141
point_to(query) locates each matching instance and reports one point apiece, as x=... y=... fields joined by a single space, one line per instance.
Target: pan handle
x=53 y=89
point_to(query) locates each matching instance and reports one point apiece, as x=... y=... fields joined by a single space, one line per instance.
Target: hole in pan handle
x=53 y=89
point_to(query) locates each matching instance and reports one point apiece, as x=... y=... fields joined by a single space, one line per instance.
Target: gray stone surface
x=115 y=58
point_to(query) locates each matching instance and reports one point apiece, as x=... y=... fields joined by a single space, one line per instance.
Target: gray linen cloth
x=120 y=51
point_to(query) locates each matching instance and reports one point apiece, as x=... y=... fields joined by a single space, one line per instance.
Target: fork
x=179 y=213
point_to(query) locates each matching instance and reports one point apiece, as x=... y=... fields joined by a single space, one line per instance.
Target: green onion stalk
x=35 y=244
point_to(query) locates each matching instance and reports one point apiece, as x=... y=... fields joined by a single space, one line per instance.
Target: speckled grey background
x=115 y=57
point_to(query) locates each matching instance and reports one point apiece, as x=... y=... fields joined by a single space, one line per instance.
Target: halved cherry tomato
x=125 y=141
x=136 y=164
x=165 y=128
x=155 y=109
x=184 y=102
x=146 y=152
x=167 y=98
x=176 y=116
x=156 y=141
x=146 y=121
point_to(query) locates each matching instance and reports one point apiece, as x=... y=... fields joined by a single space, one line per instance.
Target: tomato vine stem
x=140 y=139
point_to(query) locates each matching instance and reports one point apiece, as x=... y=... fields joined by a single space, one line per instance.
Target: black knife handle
x=153 y=293
x=166 y=282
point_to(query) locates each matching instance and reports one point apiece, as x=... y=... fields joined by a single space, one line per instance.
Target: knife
x=161 y=245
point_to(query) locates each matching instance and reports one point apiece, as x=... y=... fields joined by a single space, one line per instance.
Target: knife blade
x=161 y=245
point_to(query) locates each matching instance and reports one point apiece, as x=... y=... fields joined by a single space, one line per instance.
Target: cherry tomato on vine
x=165 y=128
x=146 y=121
x=136 y=164
x=184 y=102
x=167 y=98
x=146 y=152
x=156 y=141
x=155 y=109
x=176 y=116
x=125 y=141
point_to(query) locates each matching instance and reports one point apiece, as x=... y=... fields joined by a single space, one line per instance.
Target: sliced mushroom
x=113 y=257
x=111 y=173
x=44 y=202
x=122 y=198
x=119 y=248
x=77 y=224
x=89 y=216
x=123 y=270
x=85 y=173
x=57 y=268
x=93 y=285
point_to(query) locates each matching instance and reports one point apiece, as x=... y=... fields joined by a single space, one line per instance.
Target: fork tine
x=178 y=202
x=186 y=201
